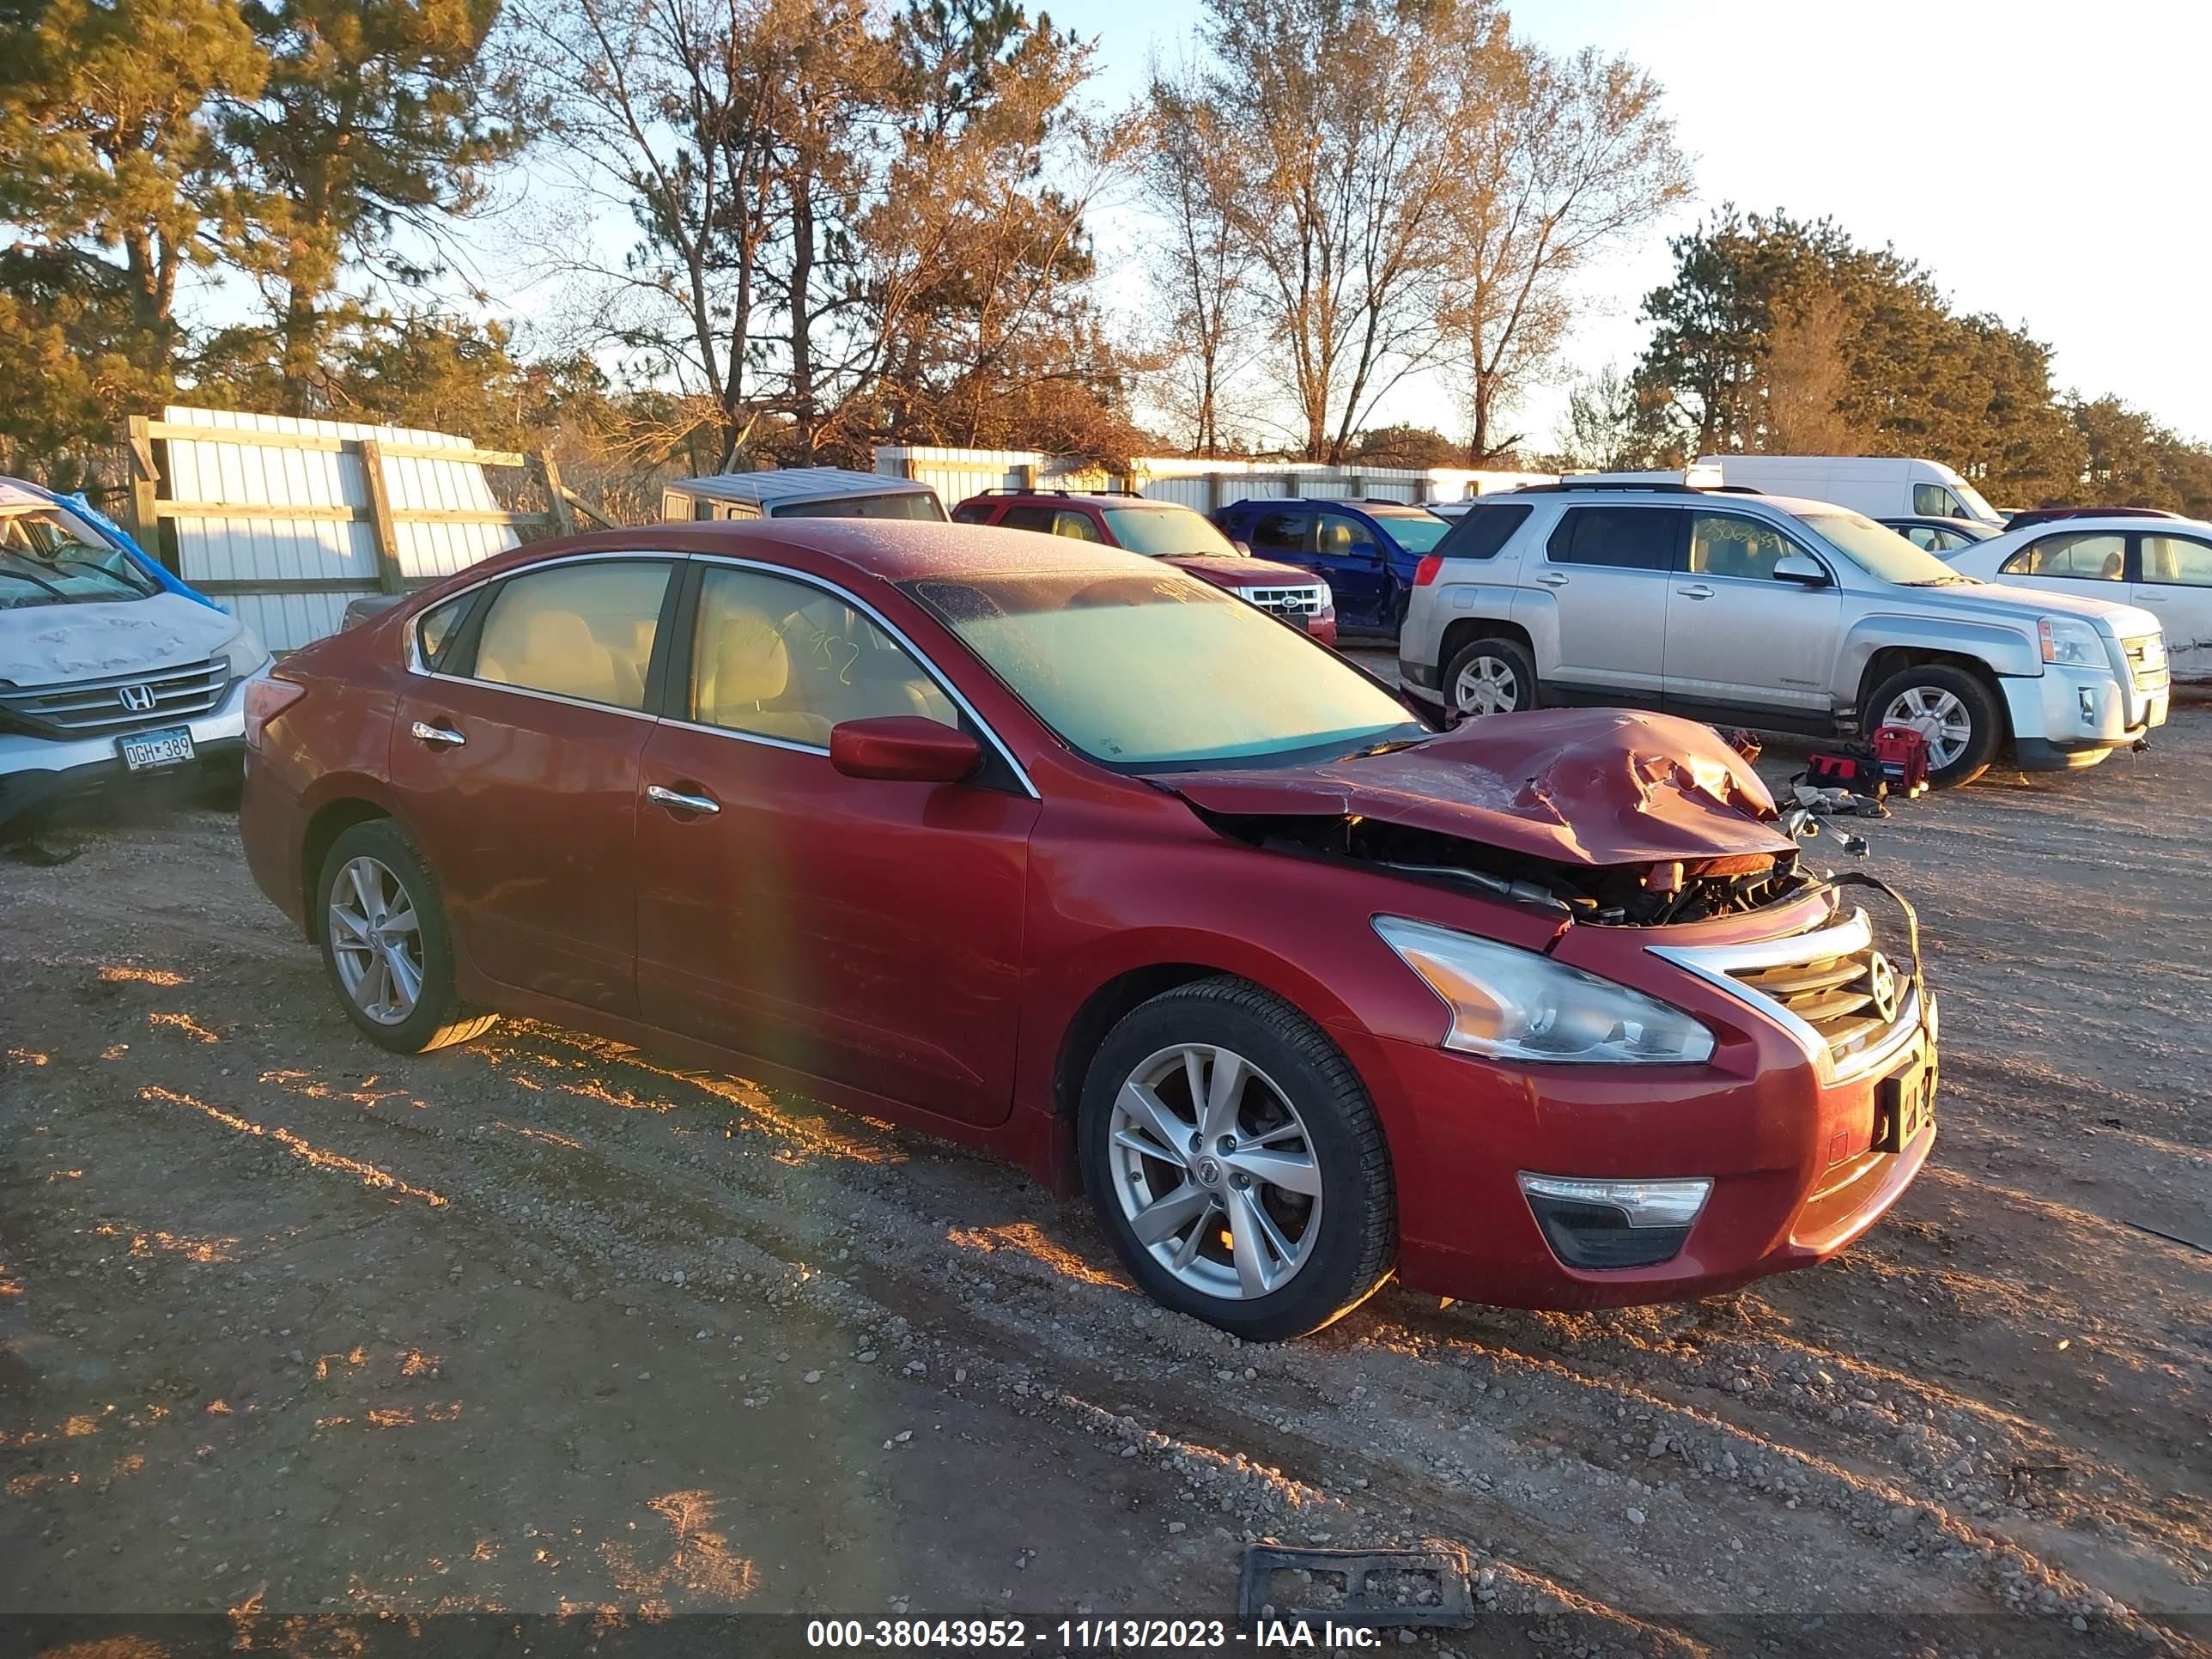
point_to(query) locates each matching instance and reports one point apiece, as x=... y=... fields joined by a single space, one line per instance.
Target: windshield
x=1415 y=531
x=1881 y=551
x=49 y=556
x=1169 y=532
x=1976 y=507
x=1143 y=672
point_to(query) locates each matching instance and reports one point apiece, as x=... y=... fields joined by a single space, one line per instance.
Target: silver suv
x=1747 y=609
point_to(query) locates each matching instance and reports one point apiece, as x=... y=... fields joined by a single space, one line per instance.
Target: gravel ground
x=292 y=1332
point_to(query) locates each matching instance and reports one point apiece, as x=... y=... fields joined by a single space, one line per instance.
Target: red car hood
x=1233 y=570
x=1573 y=785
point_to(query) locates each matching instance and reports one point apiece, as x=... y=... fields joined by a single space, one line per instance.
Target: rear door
x=2173 y=582
x=862 y=931
x=1741 y=644
x=516 y=769
x=1601 y=586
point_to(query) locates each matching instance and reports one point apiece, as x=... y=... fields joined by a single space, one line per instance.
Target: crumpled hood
x=1594 y=787
x=54 y=644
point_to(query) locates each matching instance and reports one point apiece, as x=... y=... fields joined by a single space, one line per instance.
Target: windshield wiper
x=41 y=581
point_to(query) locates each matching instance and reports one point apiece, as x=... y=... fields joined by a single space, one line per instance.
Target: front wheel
x=1236 y=1162
x=1491 y=677
x=387 y=944
x=1956 y=711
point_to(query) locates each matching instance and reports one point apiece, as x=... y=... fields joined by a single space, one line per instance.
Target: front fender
x=2003 y=650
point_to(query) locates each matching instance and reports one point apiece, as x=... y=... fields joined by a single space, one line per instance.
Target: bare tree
x=1561 y=159
x=1329 y=112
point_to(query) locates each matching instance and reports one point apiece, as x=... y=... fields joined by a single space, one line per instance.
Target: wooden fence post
x=549 y=474
x=145 y=487
x=380 y=518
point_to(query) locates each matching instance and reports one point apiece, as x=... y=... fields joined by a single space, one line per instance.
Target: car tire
x=373 y=875
x=1502 y=664
x=1325 y=1235
x=1936 y=698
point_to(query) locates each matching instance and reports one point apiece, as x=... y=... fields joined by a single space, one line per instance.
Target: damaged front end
x=1608 y=817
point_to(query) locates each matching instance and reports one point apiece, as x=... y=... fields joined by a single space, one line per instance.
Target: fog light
x=2088 y=705
x=1614 y=1223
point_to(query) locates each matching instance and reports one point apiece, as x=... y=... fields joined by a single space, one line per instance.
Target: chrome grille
x=114 y=705
x=1823 y=984
x=1284 y=601
x=2147 y=661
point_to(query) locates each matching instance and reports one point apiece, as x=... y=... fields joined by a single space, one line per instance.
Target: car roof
x=774 y=486
x=1072 y=498
x=2104 y=524
x=1665 y=496
x=1376 y=504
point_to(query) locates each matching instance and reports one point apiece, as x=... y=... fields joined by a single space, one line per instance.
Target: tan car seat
x=548 y=650
x=745 y=668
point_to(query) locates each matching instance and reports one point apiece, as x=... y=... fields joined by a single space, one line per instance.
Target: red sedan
x=1076 y=859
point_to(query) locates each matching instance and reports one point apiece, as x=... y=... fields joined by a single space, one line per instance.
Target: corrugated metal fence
x=286 y=520
x=1196 y=483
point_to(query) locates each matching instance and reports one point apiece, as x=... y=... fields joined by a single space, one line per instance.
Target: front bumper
x=2068 y=716
x=1795 y=1173
x=33 y=769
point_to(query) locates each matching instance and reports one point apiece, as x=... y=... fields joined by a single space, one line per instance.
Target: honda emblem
x=138 y=699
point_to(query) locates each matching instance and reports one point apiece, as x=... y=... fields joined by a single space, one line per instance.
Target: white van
x=1881 y=487
x=799 y=492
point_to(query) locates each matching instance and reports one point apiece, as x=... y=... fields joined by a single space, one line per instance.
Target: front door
x=1741 y=644
x=1601 y=590
x=2173 y=582
x=861 y=931
x=516 y=769
x=1351 y=560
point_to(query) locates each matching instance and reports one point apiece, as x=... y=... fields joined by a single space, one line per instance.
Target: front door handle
x=2149 y=598
x=675 y=801
x=1552 y=578
x=438 y=737
x=1695 y=591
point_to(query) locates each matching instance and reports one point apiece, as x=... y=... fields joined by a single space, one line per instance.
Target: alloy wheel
x=376 y=941
x=1939 y=716
x=1215 y=1171
x=1487 y=685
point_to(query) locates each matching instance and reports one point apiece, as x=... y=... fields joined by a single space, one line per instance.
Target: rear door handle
x=2150 y=599
x=438 y=737
x=675 y=801
x=1552 y=578
x=1695 y=591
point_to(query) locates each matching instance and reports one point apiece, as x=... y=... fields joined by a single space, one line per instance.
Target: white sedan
x=2164 y=565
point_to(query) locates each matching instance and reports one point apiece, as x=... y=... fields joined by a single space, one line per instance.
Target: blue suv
x=1366 y=550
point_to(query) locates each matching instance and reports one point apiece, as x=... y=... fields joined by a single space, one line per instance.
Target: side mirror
x=903 y=749
x=1796 y=568
x=1245 y=548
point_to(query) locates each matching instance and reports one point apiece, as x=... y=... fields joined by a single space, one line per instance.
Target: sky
x=2045 y=163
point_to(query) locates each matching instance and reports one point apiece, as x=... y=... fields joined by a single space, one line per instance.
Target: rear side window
x=2096 y=555
x=1481 y=531
x=972 y=512
x=582 y=630
x=1027 y=518
x=1625 y=537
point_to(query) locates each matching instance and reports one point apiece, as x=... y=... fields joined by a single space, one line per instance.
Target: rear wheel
x=1955 y=710
x=388 y=945
x=1236 y=1162
x=1493 y=676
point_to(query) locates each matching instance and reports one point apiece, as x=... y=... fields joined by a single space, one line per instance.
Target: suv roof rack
x=1009 y=489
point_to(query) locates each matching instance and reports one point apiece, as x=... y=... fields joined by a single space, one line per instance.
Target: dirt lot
x=292 y=1332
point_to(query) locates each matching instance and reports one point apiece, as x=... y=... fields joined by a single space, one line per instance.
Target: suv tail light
x=1425 y=571
x=265 y=699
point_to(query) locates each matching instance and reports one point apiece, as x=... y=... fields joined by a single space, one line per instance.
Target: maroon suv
x=1169 y=532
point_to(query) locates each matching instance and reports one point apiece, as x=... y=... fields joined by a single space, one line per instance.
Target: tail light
x=265 y=699
x=1425 y=571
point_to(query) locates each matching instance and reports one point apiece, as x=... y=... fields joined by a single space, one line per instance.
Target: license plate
x=1903 y=1106
x=149 y=751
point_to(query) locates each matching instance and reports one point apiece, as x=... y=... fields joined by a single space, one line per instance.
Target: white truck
x=1879 y=486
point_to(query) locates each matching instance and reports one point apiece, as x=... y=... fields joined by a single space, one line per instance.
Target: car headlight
x=245 y=651
x=1327 y=598
x=1517 y=1005
x=2071 y=642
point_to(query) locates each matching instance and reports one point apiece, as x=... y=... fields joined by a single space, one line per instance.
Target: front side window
x=576 y=630
x=972 y=512
x=1346 y=537
x=1282 y=530
x=1153 y=672
x=1075 y=526
x=2098 y=555
x=782 y=658
x=1934 y=501
x=1721 y=544
x=2177 y=561
x=1625 y=537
